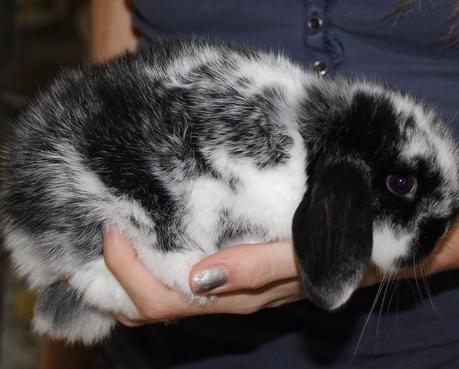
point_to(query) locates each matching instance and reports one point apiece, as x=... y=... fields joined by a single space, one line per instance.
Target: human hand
x=256 y=277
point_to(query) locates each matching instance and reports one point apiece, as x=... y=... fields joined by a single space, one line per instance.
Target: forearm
x=112 y=32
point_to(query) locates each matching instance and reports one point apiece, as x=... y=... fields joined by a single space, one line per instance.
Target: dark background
x=37 y=39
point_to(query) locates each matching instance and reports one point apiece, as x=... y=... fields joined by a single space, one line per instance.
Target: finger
x=250 y=301
x=164 y=304
x=153 y=300
x=129 y=322
x=446 y=255
x=249 y=266
x=158 y=303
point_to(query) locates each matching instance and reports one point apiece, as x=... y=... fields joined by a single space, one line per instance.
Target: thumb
x=244 y=267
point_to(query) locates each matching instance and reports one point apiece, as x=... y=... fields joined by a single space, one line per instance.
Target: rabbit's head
x=382 y=187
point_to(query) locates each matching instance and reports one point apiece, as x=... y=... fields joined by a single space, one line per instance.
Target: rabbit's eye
x=402 y=185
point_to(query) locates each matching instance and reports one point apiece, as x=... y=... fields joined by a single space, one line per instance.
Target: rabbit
x=195 y=145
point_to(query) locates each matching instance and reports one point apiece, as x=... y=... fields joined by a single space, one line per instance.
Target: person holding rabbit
x=359 y=40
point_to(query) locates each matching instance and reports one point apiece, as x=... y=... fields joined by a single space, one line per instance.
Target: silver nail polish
x=209 y=279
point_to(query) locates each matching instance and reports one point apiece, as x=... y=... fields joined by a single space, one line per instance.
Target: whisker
x=397 y=297
x=386 y=285
x=427 y=287
x=394 y=281
x=367 y=320
x=416 y=280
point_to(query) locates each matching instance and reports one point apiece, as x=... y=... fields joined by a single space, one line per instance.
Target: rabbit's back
x=148 y=142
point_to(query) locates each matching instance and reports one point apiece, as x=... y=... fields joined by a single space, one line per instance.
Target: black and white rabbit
x=192 y=146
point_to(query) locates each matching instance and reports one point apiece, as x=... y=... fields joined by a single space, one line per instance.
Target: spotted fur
x=192 y=146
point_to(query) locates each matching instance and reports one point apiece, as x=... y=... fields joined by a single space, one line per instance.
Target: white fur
x=274 y=70
x=28 y=264
x=388 y=246
x=346 y=293
x=95 y=327
x=100 y=288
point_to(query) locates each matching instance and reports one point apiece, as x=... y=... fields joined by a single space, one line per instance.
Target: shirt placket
x=326 y=48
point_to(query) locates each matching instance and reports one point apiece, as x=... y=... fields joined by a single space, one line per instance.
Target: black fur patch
x=234 y=229
x=430 y=231
x=333 y=229
x=60 y=304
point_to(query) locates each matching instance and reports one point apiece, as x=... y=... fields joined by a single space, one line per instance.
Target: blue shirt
x=357 y=38
x=408 y=327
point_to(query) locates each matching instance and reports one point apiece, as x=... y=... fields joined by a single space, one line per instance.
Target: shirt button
x=320 y=67
x=315 y=24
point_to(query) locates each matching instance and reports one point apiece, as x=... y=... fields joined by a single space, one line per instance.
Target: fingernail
x=209 y=279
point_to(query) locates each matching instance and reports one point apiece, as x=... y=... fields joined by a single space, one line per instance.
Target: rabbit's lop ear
x=333 y=230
